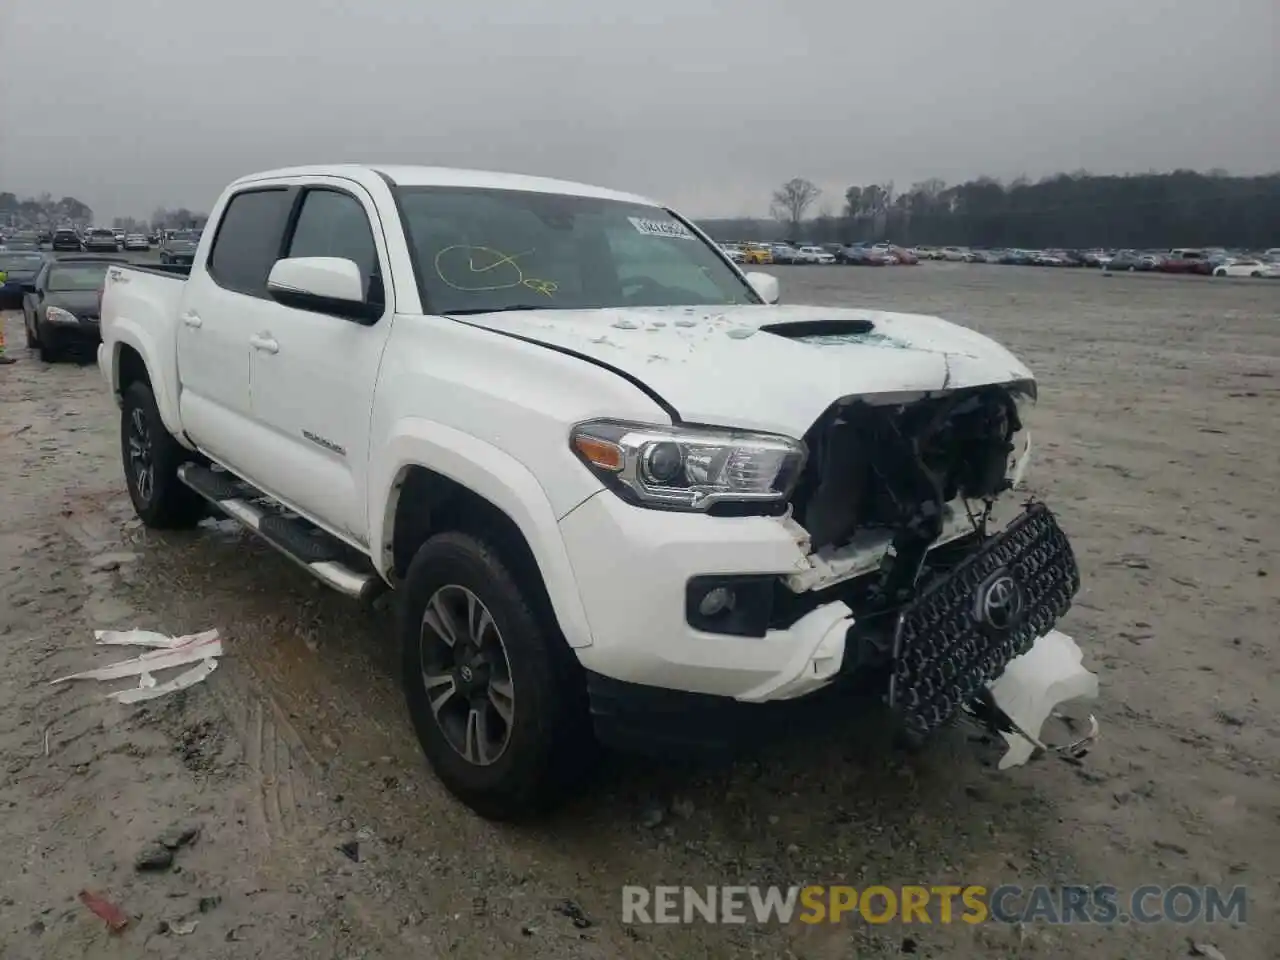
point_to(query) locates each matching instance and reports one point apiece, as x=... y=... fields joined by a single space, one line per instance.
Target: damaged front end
x=951 y=611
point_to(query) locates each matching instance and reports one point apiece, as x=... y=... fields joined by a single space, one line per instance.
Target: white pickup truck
x=623 y=495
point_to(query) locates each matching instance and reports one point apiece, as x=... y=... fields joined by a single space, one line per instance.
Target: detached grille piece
x=962 y=631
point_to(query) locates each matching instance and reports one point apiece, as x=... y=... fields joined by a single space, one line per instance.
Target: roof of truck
x=411 y=176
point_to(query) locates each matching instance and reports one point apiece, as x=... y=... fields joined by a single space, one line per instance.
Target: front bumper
x=63 y=332
x=633 y=567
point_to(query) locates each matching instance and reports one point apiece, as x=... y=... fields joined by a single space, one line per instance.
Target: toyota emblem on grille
x=1000 y=602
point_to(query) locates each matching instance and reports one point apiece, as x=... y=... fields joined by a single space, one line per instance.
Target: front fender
x=498 y=478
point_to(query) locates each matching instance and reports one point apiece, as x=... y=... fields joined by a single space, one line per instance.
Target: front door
x=314 y=373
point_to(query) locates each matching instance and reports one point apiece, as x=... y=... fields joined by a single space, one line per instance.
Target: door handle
x=192 y=319
x=264 y=343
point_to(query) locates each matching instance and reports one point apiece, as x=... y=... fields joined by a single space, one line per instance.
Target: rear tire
x=151 y=457
x=541 y=710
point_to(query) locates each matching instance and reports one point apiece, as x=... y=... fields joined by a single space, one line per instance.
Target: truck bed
x=164 y=269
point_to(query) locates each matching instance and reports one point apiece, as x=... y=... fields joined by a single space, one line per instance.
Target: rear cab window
x=247 y=242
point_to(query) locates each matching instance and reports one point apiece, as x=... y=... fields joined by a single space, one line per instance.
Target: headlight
x=689 y=468
x=58 y=315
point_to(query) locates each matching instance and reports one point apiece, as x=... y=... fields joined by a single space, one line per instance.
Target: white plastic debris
x=152 y=690
x=148 y=638
x=201 y=649
x=1034 y=685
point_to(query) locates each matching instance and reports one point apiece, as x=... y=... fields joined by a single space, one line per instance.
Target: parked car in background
x=785 y=253
x=757 y=253
x=65 y=238
x=136 y=241
x=1127 y=260
x=120 y=237
x=18 y=269
x=100 y=240
x=904 y=256
x=45 y=236
x=814 y=255
x=1045 y=258
x=20 y=243
x=1247 y=268
x=863 y=256
x=179 y=247
x=1184 y=261
x=734 y=252
x=61 y=308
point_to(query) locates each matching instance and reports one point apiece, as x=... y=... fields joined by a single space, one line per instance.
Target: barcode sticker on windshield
x=661 y=228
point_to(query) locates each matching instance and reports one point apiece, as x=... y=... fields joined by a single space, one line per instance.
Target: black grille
x=956 y=636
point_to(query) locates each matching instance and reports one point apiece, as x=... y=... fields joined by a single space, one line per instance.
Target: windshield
x=102 y=233
x=182 y=238
x=81 y=276
x=480 y=250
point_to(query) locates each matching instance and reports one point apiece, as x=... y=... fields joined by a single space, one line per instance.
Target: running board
x=320 y=554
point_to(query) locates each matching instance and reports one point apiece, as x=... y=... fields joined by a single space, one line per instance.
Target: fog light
x=715 y=602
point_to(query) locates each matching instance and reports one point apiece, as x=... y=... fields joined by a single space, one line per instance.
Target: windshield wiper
x=470 y=311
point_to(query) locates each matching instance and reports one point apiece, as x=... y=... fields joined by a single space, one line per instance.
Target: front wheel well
x=429 y=503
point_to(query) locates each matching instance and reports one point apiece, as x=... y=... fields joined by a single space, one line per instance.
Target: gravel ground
x=1157 y=445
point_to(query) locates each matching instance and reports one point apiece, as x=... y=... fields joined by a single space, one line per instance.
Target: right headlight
x=689 y=468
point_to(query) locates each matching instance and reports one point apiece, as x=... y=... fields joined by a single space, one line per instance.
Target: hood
x=80 y=302
x=774 y=368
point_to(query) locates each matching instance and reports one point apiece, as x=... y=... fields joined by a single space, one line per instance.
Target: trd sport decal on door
x=327 y=444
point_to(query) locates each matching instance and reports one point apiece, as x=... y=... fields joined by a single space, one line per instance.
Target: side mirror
x=765 y=285
x=322 y=285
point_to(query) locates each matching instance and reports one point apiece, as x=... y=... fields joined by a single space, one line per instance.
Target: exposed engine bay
x=948 y=604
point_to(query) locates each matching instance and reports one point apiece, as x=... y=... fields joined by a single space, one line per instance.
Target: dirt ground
x=1156 y=442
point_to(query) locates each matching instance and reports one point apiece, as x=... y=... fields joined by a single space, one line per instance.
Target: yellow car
x=754 y=253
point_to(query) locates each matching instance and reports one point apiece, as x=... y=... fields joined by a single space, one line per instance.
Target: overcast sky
x=705 y=104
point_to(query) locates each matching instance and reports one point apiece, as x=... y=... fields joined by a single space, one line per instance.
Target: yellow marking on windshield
x=499 y=259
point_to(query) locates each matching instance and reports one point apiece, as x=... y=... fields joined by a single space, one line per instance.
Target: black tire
x=549 y=743
x=28 y=327
x=161 y=500
x=49 y=352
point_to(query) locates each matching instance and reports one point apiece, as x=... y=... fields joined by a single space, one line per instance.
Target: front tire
x=492 y=691
x=151 y=457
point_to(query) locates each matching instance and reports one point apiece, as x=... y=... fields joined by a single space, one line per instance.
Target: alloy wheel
x=467 y=675
x=140 y=454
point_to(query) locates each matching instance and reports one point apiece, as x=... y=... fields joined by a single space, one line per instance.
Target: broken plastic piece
x=148 y=638
x=1034 y=685
x=180 y=682
x=199 y=646
x=115 y=918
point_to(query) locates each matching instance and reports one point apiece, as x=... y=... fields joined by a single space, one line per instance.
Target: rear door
x=314 y=373
x=225 y=301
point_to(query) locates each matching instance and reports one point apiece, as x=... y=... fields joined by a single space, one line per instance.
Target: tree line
x=43 y=210
x=1068 y=210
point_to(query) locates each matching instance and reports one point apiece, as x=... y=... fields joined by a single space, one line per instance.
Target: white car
x=136 y=241
x=1247 y=268
x=814 y=255
x=734 y=252
x=621 y=494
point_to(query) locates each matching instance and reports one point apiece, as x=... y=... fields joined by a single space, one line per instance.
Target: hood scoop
x=819 y=331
